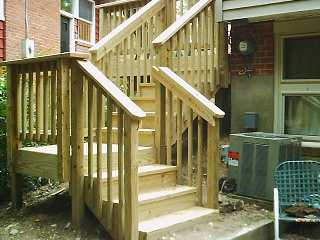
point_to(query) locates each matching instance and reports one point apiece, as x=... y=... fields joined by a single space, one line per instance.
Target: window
x=301 y=58
x=302 y=114
x=85 y=10
x=66 y=5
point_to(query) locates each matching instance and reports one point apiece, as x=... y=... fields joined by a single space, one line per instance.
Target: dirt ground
x=47 y=215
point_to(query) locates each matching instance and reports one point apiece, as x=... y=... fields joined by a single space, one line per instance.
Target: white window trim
x=291 y=87
x=2 y=15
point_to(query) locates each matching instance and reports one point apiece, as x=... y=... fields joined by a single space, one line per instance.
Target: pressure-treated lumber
x=77 y=141
x=131 y=179
x=12 y=138
x=181 y=22
x=126 y=28
x=191 y=97
x=110 y=89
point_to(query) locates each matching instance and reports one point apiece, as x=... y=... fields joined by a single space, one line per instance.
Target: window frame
x=293 y=87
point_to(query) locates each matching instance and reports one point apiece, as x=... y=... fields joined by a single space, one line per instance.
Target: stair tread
x=142 y=170
x=52 y=149
x=174 y=218
x=165 y=193
x=147 y=113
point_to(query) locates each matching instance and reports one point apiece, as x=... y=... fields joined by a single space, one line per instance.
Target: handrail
x=110 y=89
x=116 y=3
x=181 y=22
x=201 y=105
x=112 y=39
x=46 y=58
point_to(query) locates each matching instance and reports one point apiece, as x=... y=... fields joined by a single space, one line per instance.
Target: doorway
x=65 y=34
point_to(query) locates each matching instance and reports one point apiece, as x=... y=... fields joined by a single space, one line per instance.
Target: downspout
x=26 y=19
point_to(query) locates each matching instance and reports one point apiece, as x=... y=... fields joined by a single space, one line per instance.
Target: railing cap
x=46 y=58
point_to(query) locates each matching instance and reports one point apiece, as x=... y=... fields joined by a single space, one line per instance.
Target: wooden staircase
x=110 y=124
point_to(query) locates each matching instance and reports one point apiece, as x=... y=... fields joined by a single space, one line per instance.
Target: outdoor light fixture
x=247 y=49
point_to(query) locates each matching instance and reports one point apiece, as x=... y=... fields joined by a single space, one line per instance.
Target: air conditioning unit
x=253 y=158
x=28 y=48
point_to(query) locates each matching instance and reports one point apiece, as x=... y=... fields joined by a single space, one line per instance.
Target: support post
x=77 y=142
x=12 y=137
x=212 y=164
x=131 y=188
x=63 y=120
x=161 y=147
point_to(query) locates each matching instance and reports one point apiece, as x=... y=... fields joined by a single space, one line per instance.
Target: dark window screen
x=85 y=9
x=301 y=58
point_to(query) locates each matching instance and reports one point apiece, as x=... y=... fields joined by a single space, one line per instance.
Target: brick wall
x=263 y=58
x=44 y=26
x=2 y=40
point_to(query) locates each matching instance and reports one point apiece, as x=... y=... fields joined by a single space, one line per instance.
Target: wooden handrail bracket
x=180 y=22
x=110 y=89
x=112 y=39
x=198 y=102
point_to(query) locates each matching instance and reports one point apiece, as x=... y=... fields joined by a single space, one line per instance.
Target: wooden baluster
x=38 y=102
x=138 y=52
x=131 y=60
x=193 y=55
x=31 y=109
x=108 y=23
x=180 y=47
x=199 y=53
x=13 y=134
x=212 y=165
x=190 y=144
x=124 y=65
x=77 y=139
x=99 y=150
x=211 y=42
x=202 y=55
x=131 y=178
x=179 y=140
x=90 y=132
x=17 y=71
x=120 y=173
x=109 y=161
x=116 y=66
x=53 y=102
x=160 y=120
x=144 y=45
x=186 y=51
x=206 y=46
x=23 y=104
x=169 y=126
x=199 y=161
x=45 y=103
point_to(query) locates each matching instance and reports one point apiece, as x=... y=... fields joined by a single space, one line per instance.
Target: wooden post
x=161 y=148
x=12 y=137
x=212 y=163
x=77 y=142
x=63 y=120
x=131 y=179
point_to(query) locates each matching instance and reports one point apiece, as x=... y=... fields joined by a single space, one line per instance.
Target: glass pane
x=85 y=10
x=301 y=58
x=302 y=114
x=66 y=5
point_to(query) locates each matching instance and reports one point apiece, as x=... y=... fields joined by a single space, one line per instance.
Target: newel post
x=212 y=165
x=13 y=136
x=77 y=142
x=131 y=187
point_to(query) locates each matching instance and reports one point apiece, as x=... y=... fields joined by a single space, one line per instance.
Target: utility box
x=28 y=50
x=253 y=158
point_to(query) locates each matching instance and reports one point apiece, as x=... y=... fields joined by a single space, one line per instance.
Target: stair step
x=147 y=122
x=146 y=103
x=147 y=90
x=154 y=228
x=151 y=177
x=164 y=201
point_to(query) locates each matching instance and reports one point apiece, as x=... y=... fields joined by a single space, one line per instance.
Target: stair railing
x=192 y=45
x=88 y=82
x=126 y=55
x=38 y=100
x=169 y=85
x=112 y=14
